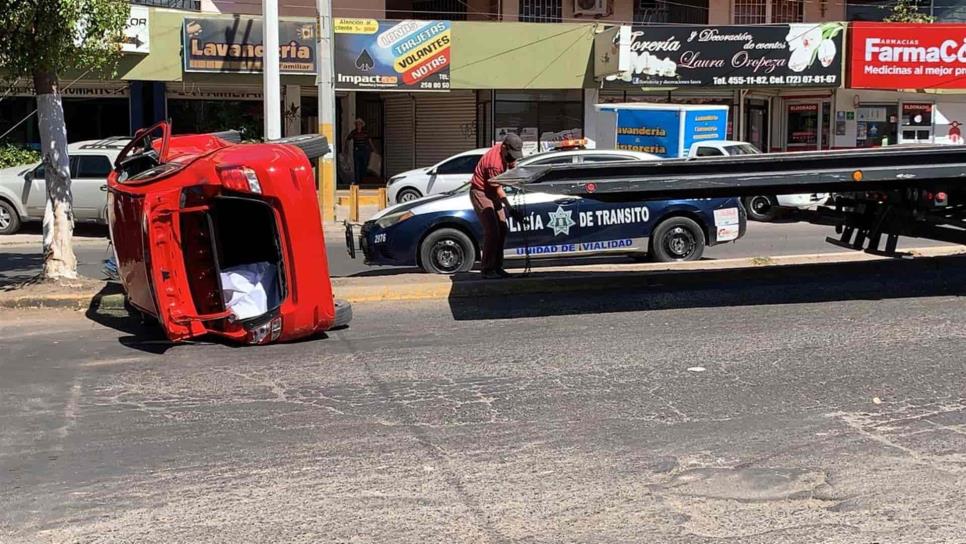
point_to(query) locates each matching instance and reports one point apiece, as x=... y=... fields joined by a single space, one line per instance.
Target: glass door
x=916 y=123
x=756 y=123
x=876 y=125
x=802 y=126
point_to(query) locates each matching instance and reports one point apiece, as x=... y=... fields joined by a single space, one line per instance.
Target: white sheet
x=249 y=290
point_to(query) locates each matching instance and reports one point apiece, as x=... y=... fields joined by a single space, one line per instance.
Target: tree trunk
x=59 y=259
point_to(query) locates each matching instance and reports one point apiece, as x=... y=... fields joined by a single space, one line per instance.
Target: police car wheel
x=677 y=239
x=761 y=207
x=447 y=251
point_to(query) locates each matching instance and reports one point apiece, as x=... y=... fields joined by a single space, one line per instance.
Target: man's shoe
x=502 y=273
x=490 y=275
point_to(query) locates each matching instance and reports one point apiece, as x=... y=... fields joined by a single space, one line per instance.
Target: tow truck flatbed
x=875 y=169
x=879 y=194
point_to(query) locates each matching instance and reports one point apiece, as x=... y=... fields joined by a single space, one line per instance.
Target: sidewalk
x=84 y=294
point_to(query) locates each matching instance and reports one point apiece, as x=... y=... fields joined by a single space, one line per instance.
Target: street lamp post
x=327 y=180
x=271 y=96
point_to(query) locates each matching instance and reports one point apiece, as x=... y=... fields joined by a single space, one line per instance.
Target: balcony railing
x=189 y=5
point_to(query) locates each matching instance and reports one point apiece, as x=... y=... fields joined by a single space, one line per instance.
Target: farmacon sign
x=908 y=56
x=219 y=44
x=392 y=55
x=793 y=55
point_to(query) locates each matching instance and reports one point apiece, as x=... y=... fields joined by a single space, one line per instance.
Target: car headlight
x=393 y=218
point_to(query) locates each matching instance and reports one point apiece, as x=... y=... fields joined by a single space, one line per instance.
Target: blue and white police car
x=441 y=233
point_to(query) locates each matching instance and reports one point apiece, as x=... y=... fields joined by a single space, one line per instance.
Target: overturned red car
x=217 y=237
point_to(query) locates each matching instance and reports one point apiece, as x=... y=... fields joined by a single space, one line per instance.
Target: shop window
x=802 y=126
x=541 y=119
x=756 y=12
x=916 y=123
x=876 y=125
x=452 y=10
x=200 y=116
x=541 y=11
x=667 y=11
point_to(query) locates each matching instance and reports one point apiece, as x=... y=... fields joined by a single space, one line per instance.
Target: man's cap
x=514 y=145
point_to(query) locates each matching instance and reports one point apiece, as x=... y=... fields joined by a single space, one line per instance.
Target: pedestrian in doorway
x=362 y=148
x=490 y=203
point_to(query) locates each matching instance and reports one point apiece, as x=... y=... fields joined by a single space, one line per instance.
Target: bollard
x=354 y=203
x=382 y=198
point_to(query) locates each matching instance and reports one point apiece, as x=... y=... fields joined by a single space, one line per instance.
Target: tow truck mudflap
x=350 y=241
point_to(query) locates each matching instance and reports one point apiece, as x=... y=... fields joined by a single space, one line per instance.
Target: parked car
x=23 y=191
x=453 y=172
x=441 y=233
x=218 y=238
x=759 y=207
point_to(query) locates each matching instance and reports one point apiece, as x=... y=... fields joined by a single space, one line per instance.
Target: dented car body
x=190 y=215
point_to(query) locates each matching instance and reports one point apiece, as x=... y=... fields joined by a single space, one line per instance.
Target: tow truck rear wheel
x=761 y=208
x=677 y=239
x=447 y=251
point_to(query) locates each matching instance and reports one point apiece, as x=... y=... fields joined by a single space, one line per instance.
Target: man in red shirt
x=489 y=201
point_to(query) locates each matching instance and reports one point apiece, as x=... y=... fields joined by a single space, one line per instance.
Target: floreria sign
x=908 y=56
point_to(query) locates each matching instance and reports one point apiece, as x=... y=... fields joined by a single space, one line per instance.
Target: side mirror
x=29 y=176
x=432 y=172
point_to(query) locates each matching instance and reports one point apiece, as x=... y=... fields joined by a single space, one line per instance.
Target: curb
x=544 y=281
x=591 y=277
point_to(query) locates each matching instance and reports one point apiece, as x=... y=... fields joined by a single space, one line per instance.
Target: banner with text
x=380 y=55
x=908 y=56
x=234 y=45
x=792 y=55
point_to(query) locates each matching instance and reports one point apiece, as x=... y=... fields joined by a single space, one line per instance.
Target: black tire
x=677 y=239
x=447 y=251
x=313 y=145
x=9 y=218
x=407 y=195
x=761 y=207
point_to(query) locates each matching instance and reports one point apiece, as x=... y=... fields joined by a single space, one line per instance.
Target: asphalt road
x=824 y=404
x=21 y=262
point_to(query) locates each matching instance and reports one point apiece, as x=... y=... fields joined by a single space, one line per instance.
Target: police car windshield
x=461 y=189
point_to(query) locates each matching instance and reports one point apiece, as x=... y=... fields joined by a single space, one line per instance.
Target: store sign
x=217 y=44
x=908 y=56
x=380 y=55
x=77 y=90
x=136 y=37
x=794 y=55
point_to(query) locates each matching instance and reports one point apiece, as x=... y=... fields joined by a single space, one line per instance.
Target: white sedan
x=759 y=207
x=453 y=172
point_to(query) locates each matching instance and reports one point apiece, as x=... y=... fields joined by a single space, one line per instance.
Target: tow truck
x=879 y=194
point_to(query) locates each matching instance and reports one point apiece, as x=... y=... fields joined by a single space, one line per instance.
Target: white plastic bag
x=249 y=290
x=375 y=164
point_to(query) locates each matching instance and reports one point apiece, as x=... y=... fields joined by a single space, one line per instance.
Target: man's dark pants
x=493 y=218
x=360 y=158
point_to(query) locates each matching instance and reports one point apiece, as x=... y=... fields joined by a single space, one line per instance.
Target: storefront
x=431 y=89
x=906 y=85
x=778 y=80
x=92 y=110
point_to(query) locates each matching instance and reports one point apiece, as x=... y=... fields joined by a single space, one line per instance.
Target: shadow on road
x=606 y=292
x=140 y=334
x=15 y=267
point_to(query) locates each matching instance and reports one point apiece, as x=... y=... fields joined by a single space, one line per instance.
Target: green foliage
x=12 y=155
x=52 y=36
x=907 y=11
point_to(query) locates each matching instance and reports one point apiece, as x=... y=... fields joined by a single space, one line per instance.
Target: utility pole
x=325 y=52
x=271 y=96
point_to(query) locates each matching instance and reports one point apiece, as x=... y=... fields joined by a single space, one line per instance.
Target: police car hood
x=423 y=204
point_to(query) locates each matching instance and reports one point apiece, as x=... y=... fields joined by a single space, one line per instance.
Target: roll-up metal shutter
x=398 y=133
x=445 y=125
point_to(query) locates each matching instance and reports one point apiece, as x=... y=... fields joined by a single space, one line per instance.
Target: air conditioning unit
x=593 y=8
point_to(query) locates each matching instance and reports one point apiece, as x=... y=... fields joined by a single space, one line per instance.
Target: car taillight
x=269 y=331
x=240 y=178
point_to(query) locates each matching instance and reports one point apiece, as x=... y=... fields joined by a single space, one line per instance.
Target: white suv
x=455 y=171
x=23 y=193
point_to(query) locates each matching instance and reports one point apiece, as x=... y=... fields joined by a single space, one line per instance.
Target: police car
x=441 y=233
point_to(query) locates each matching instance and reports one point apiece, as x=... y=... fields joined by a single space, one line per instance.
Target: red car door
x=169 y=279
